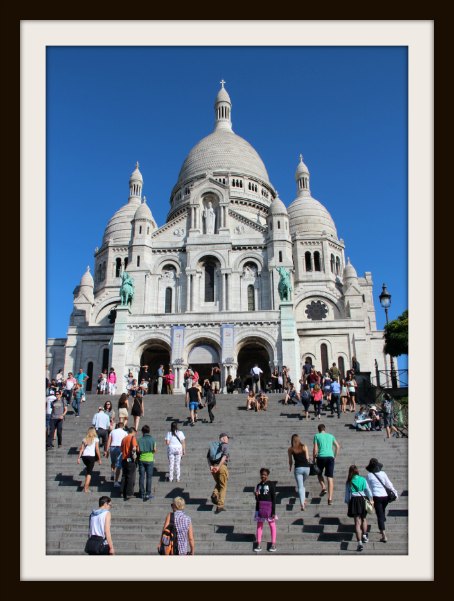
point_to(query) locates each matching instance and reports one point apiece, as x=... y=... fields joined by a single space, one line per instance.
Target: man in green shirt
x=147 y=449
x=326 y=449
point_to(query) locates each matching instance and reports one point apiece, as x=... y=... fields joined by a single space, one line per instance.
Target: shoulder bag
x=391 y=494
x=368 y=505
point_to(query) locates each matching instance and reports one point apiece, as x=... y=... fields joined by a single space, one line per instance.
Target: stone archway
x=156 y=353
x=252 y=352
x=202 y=357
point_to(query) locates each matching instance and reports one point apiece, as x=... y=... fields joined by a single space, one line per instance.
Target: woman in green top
x=356 y=490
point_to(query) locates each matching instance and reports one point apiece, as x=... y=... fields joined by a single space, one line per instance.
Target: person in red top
x=317 y=397
x=129 y=448
x=313 y=378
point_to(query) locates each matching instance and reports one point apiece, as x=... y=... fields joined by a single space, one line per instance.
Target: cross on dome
x=222 y=82
x=301 y=158
x=137 y=164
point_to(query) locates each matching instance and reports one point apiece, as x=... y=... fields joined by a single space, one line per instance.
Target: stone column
x=119 y=341
x=289 y=339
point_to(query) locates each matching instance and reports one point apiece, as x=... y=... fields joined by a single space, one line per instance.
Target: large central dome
x=223 y=150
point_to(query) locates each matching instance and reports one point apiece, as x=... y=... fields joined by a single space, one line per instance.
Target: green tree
x=396 y=336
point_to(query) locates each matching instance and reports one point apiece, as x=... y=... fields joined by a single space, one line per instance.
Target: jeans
x=115 y=452
x=129 y=477
x=380 y=504
x=103 y=435
x=317 y=407
x=301 y=473
x=55 y=424
x=220 y=490
x=335 y=401
x=159 y=391
x=145 y=468
x=76 y=404
x=210 y=410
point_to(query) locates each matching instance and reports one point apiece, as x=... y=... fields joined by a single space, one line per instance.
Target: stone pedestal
x=289 y=340
x=119 y=340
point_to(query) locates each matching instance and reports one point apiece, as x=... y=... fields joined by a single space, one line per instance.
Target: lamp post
x=385 y=302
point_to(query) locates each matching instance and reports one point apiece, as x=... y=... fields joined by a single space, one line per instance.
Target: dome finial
x=222 y=109
x=137 y=164
x=222 y=82
x=301 y=158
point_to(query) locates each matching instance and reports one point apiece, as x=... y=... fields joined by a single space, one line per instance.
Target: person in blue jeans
x=299 y=453
x=335 y=397
x=147 y=450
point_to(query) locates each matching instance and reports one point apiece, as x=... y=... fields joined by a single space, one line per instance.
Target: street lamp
x=385 y=302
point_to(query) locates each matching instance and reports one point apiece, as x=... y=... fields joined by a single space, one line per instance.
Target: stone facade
x=206 y=282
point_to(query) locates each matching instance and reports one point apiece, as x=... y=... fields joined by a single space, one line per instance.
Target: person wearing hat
x=377 y=481
x=220 y=472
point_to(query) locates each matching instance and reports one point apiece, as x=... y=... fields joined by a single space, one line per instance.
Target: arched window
x=280 y=256
x=103 y=272
x=99 y=276
x=126 y=262
x=338 y=266
x=105 y=359
x=209 y=282
x=317 y=261
x=250 y=298
x=278 y=225
x=324 y=357
x=308 y=260
x=168 y=301
x=117 y=267
x=140 y=229
x=138 y=260
x=332 y=263
x=89 y=382
x=148 y=230
x=341 y=365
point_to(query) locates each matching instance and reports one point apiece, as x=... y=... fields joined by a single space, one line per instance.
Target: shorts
x=327 y=464
x=123 y=413
x=193 y=405
x=215 y=386
x=388 y=420
x=89 y=463
x=115 y=453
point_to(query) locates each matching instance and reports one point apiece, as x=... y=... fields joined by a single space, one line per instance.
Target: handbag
x=391 y=494
x=95 y=545
x=314 y=470
x=367 y=504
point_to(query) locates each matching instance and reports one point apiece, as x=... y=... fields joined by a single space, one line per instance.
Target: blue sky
x=343 y=108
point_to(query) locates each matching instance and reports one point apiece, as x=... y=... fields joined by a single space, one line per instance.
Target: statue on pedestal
x=126 y=289
x=210 y=218
x=285 y=286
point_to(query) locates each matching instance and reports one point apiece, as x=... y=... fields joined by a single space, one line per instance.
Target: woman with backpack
x=305 y=397
x=356 y=491
x=265 y=509
x=176 y=448
x=178 y=531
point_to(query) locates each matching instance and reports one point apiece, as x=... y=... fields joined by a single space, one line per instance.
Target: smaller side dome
x=349 y=271
x=302 y=169
x=143 y=211
x=277 y=207
x=87 y=279
x=136 y=176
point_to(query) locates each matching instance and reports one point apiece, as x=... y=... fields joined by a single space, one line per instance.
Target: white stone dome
x=119 y=226
x=277 y=207
x=223 y=96
x=349 y=271
x=309 y=216
x=87 y=279
x=143 y=212
x=136 y=175
x=223 y=150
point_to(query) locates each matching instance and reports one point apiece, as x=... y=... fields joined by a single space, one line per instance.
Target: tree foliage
x=396 y=336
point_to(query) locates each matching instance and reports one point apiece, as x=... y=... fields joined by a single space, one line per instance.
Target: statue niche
x=209 y=217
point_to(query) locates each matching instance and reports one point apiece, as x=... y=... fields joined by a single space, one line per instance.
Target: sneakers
x=258 y=549
x=360 y=547
x=365 y=538
x=117 y=484
x=272 y=549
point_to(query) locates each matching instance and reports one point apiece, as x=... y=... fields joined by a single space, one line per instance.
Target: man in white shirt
x=114 y=447
x=101 y=421
x=256 y=373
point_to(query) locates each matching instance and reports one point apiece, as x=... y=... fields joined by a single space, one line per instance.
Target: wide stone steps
x=259 y=439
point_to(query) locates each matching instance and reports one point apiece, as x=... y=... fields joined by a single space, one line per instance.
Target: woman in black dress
x=137 y=410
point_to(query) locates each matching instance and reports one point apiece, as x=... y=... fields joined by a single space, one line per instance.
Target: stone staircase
x=259 y=440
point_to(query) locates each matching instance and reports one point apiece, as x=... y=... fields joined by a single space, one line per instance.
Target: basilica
x=206 y=283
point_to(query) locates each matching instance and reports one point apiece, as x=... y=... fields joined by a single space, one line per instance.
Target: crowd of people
x=111 y=436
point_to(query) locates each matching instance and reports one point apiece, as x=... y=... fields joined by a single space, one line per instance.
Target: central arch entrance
x=156 y=354
x=251 y=353
x=202 y=358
